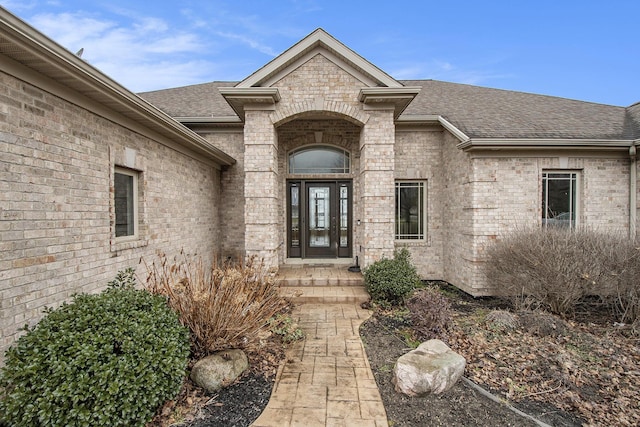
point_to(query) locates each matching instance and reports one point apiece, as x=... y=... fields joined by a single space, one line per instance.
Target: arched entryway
x=320 y=159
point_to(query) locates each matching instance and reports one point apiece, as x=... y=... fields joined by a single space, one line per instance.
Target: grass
x=225 y=306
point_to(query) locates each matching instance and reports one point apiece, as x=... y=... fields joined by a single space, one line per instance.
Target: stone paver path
x=326 y=379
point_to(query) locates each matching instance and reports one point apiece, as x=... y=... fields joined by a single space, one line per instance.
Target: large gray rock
x=431 y=368
x=219 y=369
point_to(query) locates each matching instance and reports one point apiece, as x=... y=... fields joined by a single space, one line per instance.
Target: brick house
x=317 y=156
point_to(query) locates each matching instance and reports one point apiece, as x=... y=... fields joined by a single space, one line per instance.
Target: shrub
x=555 y=269
x=284 y=326
x=391 y=280
x=502 y=320
x=102 y=360
x=431 y=313
x=227 y=306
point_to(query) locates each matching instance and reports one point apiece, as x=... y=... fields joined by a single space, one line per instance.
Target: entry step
x=325 y=294
x=318 y=276
x=320 y=281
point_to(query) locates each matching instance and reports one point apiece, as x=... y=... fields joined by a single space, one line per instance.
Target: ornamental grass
x=227 y=305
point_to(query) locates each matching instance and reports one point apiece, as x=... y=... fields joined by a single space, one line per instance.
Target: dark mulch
x=240 y=404
x=385 y=337
x=460 y=406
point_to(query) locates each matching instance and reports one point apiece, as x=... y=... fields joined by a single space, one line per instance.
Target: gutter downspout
x=633 y=192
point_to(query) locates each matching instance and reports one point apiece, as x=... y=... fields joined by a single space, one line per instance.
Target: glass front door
x=319 y=219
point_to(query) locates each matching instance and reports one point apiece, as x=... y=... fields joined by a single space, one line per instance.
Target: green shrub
x=556 y=269
x=102 y=360
x=389 y=281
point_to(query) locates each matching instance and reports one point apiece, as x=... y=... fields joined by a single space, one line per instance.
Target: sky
x=579 y=49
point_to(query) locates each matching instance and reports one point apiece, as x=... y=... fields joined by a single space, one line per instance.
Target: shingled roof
x=479 y=112
x=493 y=113
x=201 y=100
x=632 y=122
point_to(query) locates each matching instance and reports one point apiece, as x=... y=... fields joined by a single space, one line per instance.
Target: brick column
x=261 y=186
x=377 y=164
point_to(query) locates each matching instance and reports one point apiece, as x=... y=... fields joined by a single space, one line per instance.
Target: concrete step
x=325 y=294
x=298 y=281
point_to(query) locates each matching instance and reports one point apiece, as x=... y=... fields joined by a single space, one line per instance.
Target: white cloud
x=19 y=5
x=144 y=53
x=254 y=44
x=446 y=70
x=143 y=77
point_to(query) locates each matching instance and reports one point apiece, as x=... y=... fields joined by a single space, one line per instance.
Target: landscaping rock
x=219 y=369
x=431 y=368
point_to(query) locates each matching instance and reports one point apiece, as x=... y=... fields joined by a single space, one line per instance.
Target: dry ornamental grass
x=226 y=306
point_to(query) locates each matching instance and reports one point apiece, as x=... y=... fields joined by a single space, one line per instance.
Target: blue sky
x=580 y=49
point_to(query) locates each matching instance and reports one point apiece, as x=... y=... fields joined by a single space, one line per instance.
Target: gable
x=320 y=77
x=321 y=42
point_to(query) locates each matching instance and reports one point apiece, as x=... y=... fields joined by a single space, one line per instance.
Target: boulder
x=219 y=369
x=431 y=368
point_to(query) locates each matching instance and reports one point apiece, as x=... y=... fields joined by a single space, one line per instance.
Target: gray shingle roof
x=477 y=111
x=632 y=122
x=201 y=100
x=493 y=113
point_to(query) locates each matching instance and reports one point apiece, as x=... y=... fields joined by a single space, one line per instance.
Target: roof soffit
x=321 y=42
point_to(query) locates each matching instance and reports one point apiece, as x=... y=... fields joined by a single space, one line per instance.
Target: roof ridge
x=211 y=83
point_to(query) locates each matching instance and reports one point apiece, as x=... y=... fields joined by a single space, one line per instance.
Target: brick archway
x=319 y=106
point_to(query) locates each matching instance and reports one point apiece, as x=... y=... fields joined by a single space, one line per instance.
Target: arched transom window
x=319 y=159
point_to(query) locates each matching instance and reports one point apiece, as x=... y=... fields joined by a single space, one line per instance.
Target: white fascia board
x=265 y=94
x=415 y=119
x=543 y=143
x=453 y=129
x=233 y=120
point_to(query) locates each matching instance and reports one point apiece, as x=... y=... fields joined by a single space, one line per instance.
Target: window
x=559 y=199
x=319 y=160
x=126 y=202
x=410 y=211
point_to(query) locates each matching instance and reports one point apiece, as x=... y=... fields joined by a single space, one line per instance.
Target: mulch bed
x=565 y=373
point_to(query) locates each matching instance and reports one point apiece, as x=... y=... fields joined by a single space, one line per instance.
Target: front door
x=319 y=219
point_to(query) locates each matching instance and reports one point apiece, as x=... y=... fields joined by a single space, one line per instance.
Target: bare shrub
x=226 y=306
x=621 y=290
x=554 y=269
x=542 y=324
x=431 y=313
x=502 y=320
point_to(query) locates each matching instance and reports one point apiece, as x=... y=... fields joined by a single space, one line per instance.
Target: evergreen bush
x=102 y=360
x=389 y=281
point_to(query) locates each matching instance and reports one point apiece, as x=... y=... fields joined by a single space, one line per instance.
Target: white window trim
x=425 y=218
x=136 y=213
x=577 y=195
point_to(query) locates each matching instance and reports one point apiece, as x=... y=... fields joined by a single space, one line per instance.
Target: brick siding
x=56 y=203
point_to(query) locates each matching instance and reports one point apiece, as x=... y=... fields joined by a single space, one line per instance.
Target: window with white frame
x=126 y=202
x=410 y=210
x=559 y=199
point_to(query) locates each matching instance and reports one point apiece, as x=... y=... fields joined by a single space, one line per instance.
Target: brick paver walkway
x=326 y=379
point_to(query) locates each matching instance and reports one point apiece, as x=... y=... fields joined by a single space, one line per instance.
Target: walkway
x=326 y=379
